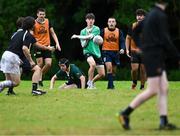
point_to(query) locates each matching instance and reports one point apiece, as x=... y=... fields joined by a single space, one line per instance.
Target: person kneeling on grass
x=72 y=73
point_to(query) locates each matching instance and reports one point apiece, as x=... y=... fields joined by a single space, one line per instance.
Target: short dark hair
x=19 y=22
x=28 y=23
x=162 y=1
x=64 y=61
x=140 y=12
x=90 y=16
x=41 y=10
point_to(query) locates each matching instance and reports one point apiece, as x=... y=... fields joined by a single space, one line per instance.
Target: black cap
x=64 y=61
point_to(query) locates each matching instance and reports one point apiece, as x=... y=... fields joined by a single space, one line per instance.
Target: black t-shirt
x=136 y=33
x=18 y=40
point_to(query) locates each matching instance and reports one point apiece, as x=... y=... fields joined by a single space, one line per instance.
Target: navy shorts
x=111 y=56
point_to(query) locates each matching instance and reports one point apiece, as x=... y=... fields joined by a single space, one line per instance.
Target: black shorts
x=136 y=58
x=154 y=64
x=38 y=53
x=70 y=82
x=98 y=61
x=26 y=66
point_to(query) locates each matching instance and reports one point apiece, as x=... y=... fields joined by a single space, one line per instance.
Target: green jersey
x=91 y=47
x=73 y=75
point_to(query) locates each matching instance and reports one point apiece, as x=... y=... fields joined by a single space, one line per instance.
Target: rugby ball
x=98 y=40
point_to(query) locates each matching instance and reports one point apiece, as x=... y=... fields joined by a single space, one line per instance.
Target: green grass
x=82 y=112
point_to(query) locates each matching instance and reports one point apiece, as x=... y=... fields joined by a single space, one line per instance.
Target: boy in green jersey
x=74 y=76
x=91 y=50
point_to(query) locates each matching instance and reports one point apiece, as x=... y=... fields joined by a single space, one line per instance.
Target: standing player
x=72 y=73
x=133 y=44
x=91 y=50
x=18 y=49
x=113 y=45
x=42 y=31
x=156 y=47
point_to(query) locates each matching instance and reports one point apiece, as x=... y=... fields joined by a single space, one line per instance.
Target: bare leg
x=162 y=94
x=152 y=89
x=101 y=73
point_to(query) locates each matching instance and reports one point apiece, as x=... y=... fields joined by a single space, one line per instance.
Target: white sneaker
x=92 y=86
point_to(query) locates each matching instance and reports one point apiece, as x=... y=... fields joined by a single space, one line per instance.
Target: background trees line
x=67 y=17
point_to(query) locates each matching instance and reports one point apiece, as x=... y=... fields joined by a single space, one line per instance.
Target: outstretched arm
x=83 y=37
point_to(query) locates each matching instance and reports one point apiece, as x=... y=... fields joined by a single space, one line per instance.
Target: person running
x=18 y=49
x=113 y=45
x=157 y=45
x=42 y=31
x=133 y=44
x=70 y=72
x=19 y=22
x=91 y=50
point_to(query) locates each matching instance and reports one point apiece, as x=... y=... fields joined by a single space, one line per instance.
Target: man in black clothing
x=156 y=44
x=18 y=49
x=133 y=44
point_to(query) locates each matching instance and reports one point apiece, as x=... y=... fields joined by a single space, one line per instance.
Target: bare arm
x=128 y=42
x=55 y=39
x=53 y=79
x=83 y=37
x=28 y=55
x=82 y=78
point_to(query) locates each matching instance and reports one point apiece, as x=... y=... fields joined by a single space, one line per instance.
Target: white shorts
x=10 y=63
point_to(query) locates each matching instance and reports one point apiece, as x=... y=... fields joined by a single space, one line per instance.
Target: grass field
x=82 y=112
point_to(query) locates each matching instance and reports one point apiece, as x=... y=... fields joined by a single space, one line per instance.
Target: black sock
x=163 y=120
x=127 y=111
x=142 y=86
x=135 y=82
x=10 y=89
x=110 y=80
x=34 y=86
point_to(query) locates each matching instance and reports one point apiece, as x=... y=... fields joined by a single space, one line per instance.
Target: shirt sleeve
x=129 y=32
x=29 y=40
x=59 y=74
x=121 y=40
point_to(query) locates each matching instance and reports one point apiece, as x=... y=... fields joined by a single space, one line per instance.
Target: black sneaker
x=142 y=87
x=167 y=126
x=41 y=83
x=124 y=121
x=11 y=92
x=38 y=92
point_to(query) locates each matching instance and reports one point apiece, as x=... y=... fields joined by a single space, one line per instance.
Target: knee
x=134 y=69
x=16 y=83
x=164 y=89
x=48 y=65
x=93 y=66
x=37 y=68
x=109 y=70
x=102 y=74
